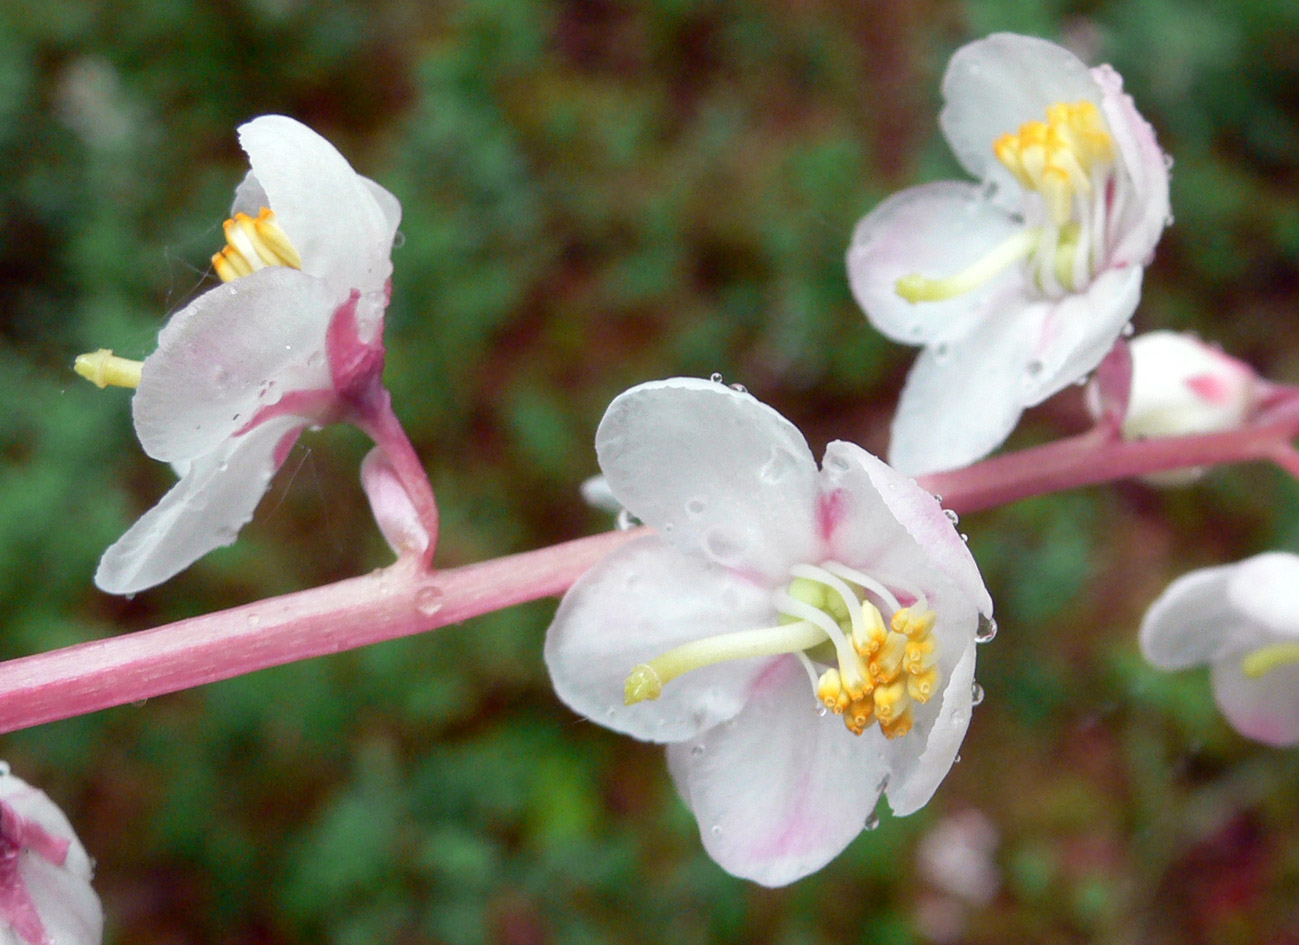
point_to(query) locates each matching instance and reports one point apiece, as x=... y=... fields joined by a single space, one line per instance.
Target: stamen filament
x=918 y=288
x=864 y=581
x=646 y=680
x=1264 y=660
x=105 y=369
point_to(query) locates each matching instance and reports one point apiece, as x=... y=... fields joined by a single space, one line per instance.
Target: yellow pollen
x=899 y=726
x=891 y=700
x=105 y=369
x=830 y=691
x=252 y=244
x=1262 y=661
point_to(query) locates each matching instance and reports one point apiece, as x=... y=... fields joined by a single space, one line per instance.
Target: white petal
x=1180 y=386
x=936 y=231
x=1145 y=212
x=62 y=895
x=994 y=85
x=780 y=790
x=1184 y=626
x=715 y=471
x=1079 y=330
x=1264 y=708
x=1265 y=589
x=236 y=348
x=328 y=211
x=203 y=511
x=963 y=398
x=917 y=773
x=641 y=601
x=890 y=525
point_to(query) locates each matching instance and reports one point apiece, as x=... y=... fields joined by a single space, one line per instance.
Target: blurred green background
x=599 y=193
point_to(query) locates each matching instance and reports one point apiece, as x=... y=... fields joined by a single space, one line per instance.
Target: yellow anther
x=869 y=639
x=1057 y=193
x=920 y=655
x=891 y=700
x=643 y=683
x=830 y=691
x=899 y=726
x=913 y=624
x=105 y=369
x=859 y=714
x=922 y=686
x=887 y=663
x=253 y=244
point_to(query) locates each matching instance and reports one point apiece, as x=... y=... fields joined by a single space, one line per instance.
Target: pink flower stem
x=382 y=426
x=384 y=605
x=1100 y=456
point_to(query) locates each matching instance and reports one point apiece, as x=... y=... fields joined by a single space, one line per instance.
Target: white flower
x=1243 y=620
x=45 y=892
x=1019 y=284
x=765 y=598
x=1182 y=386
x=292 y=339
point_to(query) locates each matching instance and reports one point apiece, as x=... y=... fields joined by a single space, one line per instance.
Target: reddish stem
x=384 y=605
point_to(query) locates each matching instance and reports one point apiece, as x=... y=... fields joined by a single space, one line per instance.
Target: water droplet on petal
x=942 y=351
x=1034 y=368
x=715 y=830
x=428 y=600
x=951 y=516
x=777 y=467
x=959 y=719
x=722 y=545
x=254 y=620
x=976 y=694
x=965 y=538
x=696 y=506
x=986 y=631
x=872 y=821
x=957 y=759
x=625 y=520
x=1129 y=330
x=739 y=388
x=697 y=750
x=822 y=711
x=716 y=377
x=398 y=240
x=139 y=703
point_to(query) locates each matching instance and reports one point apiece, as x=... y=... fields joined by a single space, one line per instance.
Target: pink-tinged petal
x=1187 y=623
x=329 y=212
x=1265 y=590
x=718 y=473
x=394 y=512
x=202 y=512
x=917 y=774
x=1110 y=390
x=45 y=901
x=1145 y=213
x=779 y=791
x=231 y=352
x=936 y=231
x=1078 y=331
x=1265 y=708
x=994 y=85
x=892 y=526
x=637 y=604
x=963 y=398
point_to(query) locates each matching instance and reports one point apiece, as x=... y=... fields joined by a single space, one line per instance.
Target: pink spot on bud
x=1210 y=387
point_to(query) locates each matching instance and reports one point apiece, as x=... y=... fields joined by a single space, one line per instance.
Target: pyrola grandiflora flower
x=292 y=338
x=1016 y=285
x=1243 y=621
x=45 y=892
x=801 y=638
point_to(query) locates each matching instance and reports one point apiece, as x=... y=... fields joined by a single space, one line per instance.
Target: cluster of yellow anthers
x=1059 y=158
x=894 y=665
x=252 y=244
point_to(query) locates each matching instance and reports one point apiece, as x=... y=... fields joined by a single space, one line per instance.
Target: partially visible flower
x=1019 y=284
x=1243 y=620
x=801 y=639
x=956 y=856
x=45 y=892
x=292 y=339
